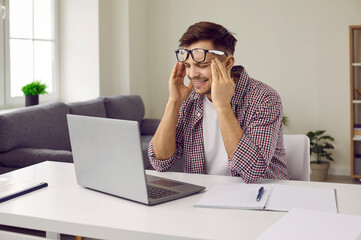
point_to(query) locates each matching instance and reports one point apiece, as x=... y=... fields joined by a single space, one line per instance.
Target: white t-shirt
x=214 y=151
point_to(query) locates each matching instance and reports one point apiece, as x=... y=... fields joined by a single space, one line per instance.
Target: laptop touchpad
x=166 y=183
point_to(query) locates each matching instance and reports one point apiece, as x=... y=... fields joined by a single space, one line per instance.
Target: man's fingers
x=221 y=69
x=214 y=71
x=178 y=73
x=178 y=69
x=181 y=70
x=174 y=70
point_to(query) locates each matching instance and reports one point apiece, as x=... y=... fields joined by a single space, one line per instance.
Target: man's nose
x=193 y=72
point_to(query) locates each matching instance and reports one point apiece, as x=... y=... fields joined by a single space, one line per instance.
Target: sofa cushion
x=127 y=107
x=23 y=157
x=93 y=108
x=145 y=140
x=41 y=126
x=149 y=126
x=6 y=169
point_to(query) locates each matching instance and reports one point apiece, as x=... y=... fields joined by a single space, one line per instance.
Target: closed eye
x=203 y=65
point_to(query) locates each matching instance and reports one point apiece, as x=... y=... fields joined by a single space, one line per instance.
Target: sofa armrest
x=148 y=126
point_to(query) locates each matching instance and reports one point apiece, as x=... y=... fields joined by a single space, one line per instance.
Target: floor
x=342 y=179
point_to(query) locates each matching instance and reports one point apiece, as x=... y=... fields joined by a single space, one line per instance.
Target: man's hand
x=178 y=91
x=223 y=86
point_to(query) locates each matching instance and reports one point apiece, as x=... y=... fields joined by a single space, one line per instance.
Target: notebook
x=275 y=197
x=108 y=158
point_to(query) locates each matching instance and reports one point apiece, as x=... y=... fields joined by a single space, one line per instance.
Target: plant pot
x=319 y=171
x=31 y=100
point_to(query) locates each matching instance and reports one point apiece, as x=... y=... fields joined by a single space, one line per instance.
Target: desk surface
x=66 y=207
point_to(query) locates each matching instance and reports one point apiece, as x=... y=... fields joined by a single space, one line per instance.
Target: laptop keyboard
x=156 y=193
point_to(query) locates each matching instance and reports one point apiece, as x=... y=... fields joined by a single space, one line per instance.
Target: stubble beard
x=202 y=90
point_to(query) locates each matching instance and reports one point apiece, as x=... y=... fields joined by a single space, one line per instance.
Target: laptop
x=108 y=157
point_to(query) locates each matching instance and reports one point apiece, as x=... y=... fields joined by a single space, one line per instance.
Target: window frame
x=8 y=101
x=2 y=53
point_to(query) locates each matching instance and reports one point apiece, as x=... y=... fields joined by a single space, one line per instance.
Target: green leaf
x=34 y=88
x=285 y=120
x=320 y=145
x=327 y=138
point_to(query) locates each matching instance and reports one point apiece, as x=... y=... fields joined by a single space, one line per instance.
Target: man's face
x=200 y=73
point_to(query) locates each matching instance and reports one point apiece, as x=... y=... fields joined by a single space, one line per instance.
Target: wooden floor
x=342 y=179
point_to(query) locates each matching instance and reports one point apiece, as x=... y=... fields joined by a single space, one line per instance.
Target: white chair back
x=297 y=156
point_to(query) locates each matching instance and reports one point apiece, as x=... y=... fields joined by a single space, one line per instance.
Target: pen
x=24 y=191
x=260 y=193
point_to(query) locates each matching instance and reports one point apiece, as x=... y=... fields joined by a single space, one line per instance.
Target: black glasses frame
x=217 y=52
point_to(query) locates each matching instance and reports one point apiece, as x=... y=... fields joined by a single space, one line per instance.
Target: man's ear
x=229 y=62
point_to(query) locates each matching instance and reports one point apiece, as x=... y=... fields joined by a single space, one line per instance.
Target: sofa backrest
x=45 y=126
x=93 y=108
x=41 y=126
x=127 y=107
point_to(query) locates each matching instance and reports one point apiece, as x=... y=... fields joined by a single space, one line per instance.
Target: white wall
x=103 y=49
x=114 y=47
x=139 y=80
x=299 y=47
x=78 y=49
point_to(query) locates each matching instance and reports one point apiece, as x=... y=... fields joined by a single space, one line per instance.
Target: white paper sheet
x=301 y=224
x=284 y=197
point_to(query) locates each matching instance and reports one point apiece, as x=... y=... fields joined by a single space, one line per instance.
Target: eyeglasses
x=198 y=54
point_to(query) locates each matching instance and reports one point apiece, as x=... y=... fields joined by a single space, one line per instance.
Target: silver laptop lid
x=104 y=159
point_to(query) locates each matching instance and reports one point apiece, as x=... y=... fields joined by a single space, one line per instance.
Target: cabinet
x=355 y=101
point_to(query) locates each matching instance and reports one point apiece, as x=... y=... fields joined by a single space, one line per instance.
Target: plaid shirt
x=259 y=153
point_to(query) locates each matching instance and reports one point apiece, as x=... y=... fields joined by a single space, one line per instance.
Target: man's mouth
x=199 y=82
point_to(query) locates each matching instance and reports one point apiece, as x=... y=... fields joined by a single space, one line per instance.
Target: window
x=28 y=36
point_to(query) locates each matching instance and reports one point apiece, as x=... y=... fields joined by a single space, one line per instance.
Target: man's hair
x=221 y=38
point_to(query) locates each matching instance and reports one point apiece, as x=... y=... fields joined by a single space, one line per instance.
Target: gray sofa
x=40 y=133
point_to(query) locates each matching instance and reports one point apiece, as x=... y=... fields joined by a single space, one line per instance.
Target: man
x=223 y=122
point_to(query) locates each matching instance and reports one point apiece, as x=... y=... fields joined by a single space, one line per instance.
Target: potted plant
x=319 y=147
x=32 y=91
x=285 y=120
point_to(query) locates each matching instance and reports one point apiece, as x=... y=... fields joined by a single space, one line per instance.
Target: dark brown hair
x=221 y=38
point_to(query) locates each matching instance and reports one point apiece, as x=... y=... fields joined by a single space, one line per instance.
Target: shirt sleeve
x=258 y=143
x=165 y=164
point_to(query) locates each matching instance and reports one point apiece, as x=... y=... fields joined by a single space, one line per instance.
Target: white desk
x=65 y=207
